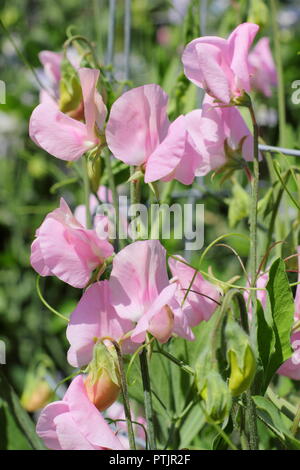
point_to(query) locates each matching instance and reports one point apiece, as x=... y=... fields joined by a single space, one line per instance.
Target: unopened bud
x=241 y=377
x=103 y=393
x=102 y=383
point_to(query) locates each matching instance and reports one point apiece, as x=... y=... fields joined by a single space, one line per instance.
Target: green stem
x=112 y=185
x=253 y=209
x=251 y=421
x=176 y=361
x=44 y=301
x=86 y=187
x=125 y=397
x=147 y=399
x=280 y=87
x=250 y=415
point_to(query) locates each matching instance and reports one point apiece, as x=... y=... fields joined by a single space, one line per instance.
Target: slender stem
x=134 y=188
x=251 y=421
x=125 y=396
x=86 y=187
x=127 y=38
x=147 y=399
x=44 y=301
x=97 y=6
x=278 y=59
x=250 y=415
x=254 y=202
x=111 y=181
x=111 y=32
x=176 y=361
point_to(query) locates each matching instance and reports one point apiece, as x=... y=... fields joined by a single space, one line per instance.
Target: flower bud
x=241 y=377
x=37 y=392
x=70 y=91
x=102 y=383
x=36 y=397
x=161 y=326
x=240 y=357
x=103 y=393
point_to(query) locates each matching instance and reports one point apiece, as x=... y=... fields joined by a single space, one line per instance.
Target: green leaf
x=17 y=429
x=275 y=421
x=264 y=335
x=191 y=426
x=279 y=315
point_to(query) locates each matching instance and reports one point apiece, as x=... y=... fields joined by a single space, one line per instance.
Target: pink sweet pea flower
x=140 y=292
x=94 y=319
x=221 y=66
x=213 y=131
x=139 y=133
x=65 y=137
x=74 y=423
x=203 y=298
x=262 y=67
x=65 y=249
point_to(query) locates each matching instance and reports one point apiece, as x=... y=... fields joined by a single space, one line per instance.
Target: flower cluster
x=137 y=300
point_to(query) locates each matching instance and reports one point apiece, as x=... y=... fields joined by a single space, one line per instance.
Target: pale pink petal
x=88 y=80
x=52 y=64
x=291 y=367
x=262 y=67
x=59 y=134
x=203 y=66
x=167 y=156
x=236 y=129
x=46 y=428
x=47 y=99
x=37 y=260
x=203 y=296
x=139 y=274
x=94 y=318
x=239 y=42
x=185 y=172
x=157 y=319
x=137 y=124
x=69 y=434
x=101 y=111
x=60 y=256
x=89 y=420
